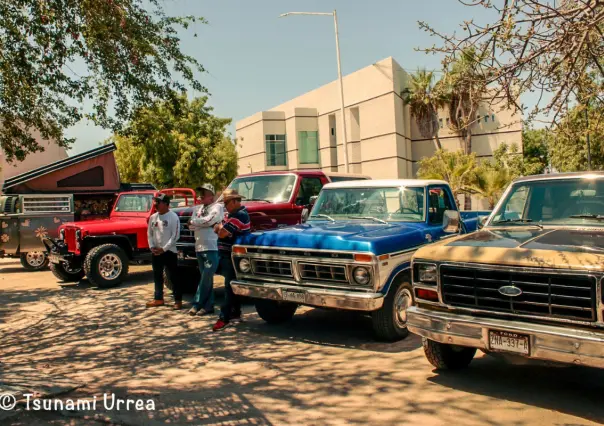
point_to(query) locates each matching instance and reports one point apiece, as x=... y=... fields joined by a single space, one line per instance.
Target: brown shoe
x=177 y=306
x=155 y=303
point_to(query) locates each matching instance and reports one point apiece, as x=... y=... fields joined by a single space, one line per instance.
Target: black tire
x=34 y=261
x=65 y=273
x=389 y=323
x=103 y=275
x=274 y=312
x=448 y=357
x=189 y=280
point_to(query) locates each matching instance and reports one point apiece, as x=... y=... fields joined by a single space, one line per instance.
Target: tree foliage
x=425 y=97
x=490 y=182
x=466 y=86
x=551 y=48
x=454 y=167
x=567 y=144
x=535 y=150
x=178 y=144
x=57 y=55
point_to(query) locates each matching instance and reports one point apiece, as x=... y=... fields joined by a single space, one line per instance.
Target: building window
x=447 y=121
x=308 y=147
x=440 y=123
x=486 y=118
x=276 y=154
x=493 y=118
x=333 y=131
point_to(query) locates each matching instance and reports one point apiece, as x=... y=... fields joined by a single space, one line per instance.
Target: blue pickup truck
x=352 y=253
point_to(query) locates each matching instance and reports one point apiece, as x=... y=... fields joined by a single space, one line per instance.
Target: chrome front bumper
x=547 y=342
x=324 y=298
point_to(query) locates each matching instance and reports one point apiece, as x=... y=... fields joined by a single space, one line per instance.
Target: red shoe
x=220 y=324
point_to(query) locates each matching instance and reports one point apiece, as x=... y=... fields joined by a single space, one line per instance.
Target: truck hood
x=119 y=225
x=523 y=246
x=353 y=235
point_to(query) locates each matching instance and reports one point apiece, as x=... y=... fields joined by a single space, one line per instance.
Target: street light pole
x=342 y=107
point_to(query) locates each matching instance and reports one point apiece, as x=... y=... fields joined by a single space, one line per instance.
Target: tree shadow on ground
x=254 y=372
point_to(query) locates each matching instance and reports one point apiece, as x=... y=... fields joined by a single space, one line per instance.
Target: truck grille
x=186 y=235
x=543 y=294
x=272 y=267
x=321 y=272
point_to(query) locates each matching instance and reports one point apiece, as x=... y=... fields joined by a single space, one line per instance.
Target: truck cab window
x=438 y=202
x=309 y=187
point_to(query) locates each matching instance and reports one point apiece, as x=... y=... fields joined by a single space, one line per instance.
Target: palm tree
x=467 y=85
x=490 y=182
x=457 y=168
x=425 y=98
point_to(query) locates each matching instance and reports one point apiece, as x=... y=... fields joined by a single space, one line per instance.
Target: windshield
x=390 y=204
x=134 y=203
x=271 y=188
x=553 y=202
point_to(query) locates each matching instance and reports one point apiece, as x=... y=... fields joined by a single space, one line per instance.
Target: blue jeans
x=208 y=262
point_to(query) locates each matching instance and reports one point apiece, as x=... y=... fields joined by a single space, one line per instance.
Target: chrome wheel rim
x=402 y=301
x=35 y=258
x=110 y=266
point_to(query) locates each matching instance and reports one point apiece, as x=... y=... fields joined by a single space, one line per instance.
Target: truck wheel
x=448 y=357
x=189 y=280
x=275 y=312
x=390 y=321
x=106 y=265
x=67 y=273
x=34 y=260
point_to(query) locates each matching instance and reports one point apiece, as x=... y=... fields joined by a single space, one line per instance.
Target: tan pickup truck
x=529 y=283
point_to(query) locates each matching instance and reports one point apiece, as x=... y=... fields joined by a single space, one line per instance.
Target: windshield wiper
x=519 y=221
x=324 y=216
x=587 y=216
x=256 y=199
x=368 y=218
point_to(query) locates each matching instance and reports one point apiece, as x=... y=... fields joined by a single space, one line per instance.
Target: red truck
x=272 y=199
x=102 y=249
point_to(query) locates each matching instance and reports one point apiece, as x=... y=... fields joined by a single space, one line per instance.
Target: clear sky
x=255 y=60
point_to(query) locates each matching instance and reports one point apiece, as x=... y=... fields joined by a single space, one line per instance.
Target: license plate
x=293 y=296
x=509 y=342
x=54 y=258
x=181 y=255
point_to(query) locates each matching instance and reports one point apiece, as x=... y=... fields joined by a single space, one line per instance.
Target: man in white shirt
x=163 y=233
x=204 y=217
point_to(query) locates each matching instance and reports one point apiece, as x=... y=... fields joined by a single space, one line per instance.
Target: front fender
x=397 y=272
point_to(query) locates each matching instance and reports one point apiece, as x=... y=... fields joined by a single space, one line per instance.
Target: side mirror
x=305 y=214
x=481 y=221
x=451 y=221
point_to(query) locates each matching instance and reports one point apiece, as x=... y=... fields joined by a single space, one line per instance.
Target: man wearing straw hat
x=235 y=224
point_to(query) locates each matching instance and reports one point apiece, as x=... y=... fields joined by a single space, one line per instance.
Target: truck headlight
x=244 y=265
x=427 y=273
x=361 y=275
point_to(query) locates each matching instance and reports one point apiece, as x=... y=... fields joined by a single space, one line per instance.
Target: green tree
x=456 y=168
x=425 y=98
x=489 y=181
x=58 y=55
x=510 y=158
x=567 y=143
x=466 y=85
x=535 y=149
x=177 y=144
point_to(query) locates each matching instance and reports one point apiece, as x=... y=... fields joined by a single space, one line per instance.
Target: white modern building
x=383 y=139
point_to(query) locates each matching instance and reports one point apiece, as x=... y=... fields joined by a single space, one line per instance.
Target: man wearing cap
x=204 y=217
x=163 y=232
x=236 y=223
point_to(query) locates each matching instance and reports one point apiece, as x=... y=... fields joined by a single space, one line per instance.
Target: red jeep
x=102 y=249
x=272 y=199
